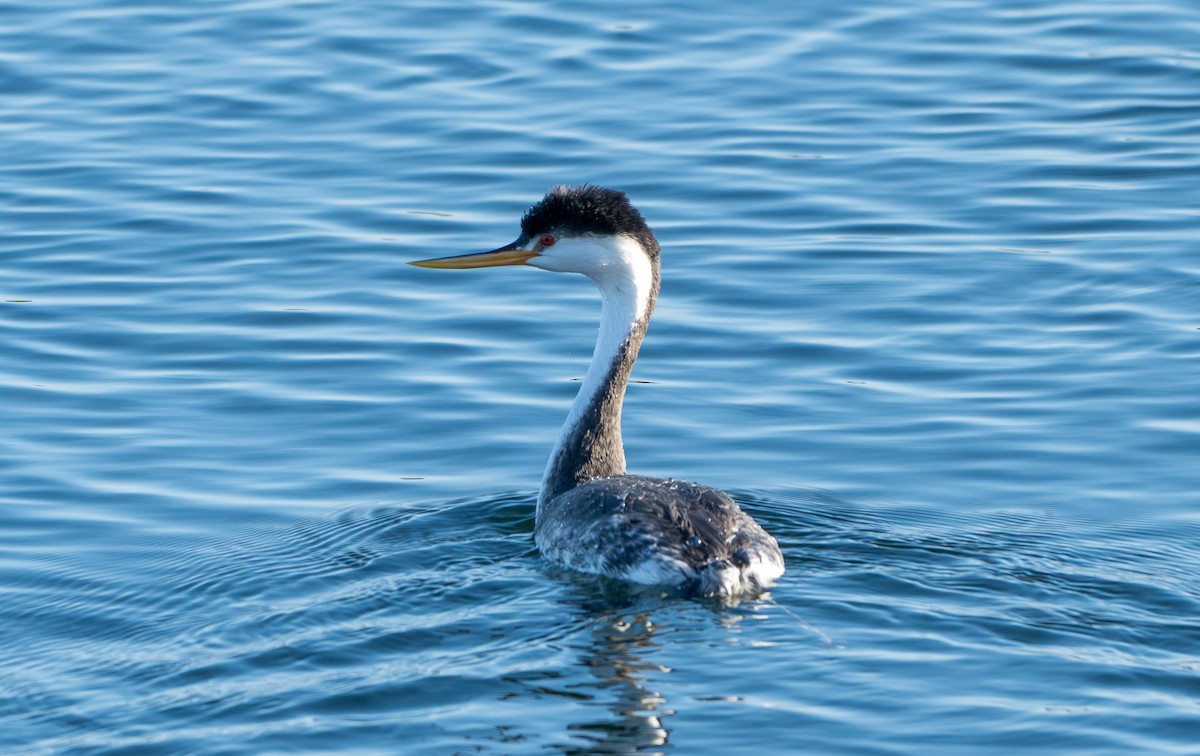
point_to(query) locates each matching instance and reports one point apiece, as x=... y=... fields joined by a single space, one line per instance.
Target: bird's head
x=585 y=229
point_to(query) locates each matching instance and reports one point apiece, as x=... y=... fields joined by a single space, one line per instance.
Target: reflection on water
x=618 y=658
x=622 y=665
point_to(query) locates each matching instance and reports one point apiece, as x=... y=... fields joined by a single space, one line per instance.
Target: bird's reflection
x=635 y=719
x=613 y=681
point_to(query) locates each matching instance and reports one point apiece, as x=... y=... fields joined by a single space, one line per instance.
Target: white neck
x=625 y=278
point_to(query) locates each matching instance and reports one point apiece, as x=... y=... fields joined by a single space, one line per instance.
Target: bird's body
x=658 y=531
x=591 y=515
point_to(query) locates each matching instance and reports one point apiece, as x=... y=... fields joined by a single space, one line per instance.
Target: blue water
x=931 y=311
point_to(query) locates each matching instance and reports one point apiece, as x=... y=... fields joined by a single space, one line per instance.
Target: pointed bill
x=510 y=254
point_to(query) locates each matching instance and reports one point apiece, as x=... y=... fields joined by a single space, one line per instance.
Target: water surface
x=929 y=310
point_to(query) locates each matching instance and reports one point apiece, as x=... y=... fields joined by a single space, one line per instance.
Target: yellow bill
x=509 y=255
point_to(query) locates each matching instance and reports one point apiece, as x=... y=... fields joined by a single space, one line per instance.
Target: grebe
x=591 y=515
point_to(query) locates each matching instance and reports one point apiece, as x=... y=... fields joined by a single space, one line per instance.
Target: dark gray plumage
x=656 y=530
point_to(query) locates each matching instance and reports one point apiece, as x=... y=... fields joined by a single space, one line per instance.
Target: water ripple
x=256 y=475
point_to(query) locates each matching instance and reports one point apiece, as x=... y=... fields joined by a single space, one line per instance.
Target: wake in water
x=415 y=614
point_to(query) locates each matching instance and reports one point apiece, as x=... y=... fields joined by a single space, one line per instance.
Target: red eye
x=547 y=240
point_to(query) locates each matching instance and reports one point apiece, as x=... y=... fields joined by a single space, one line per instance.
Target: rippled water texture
x=930 y=310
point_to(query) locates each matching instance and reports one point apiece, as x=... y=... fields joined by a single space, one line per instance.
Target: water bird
x=591 y=515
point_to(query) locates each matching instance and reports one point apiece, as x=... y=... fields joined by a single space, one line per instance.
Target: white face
x=616 y=263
